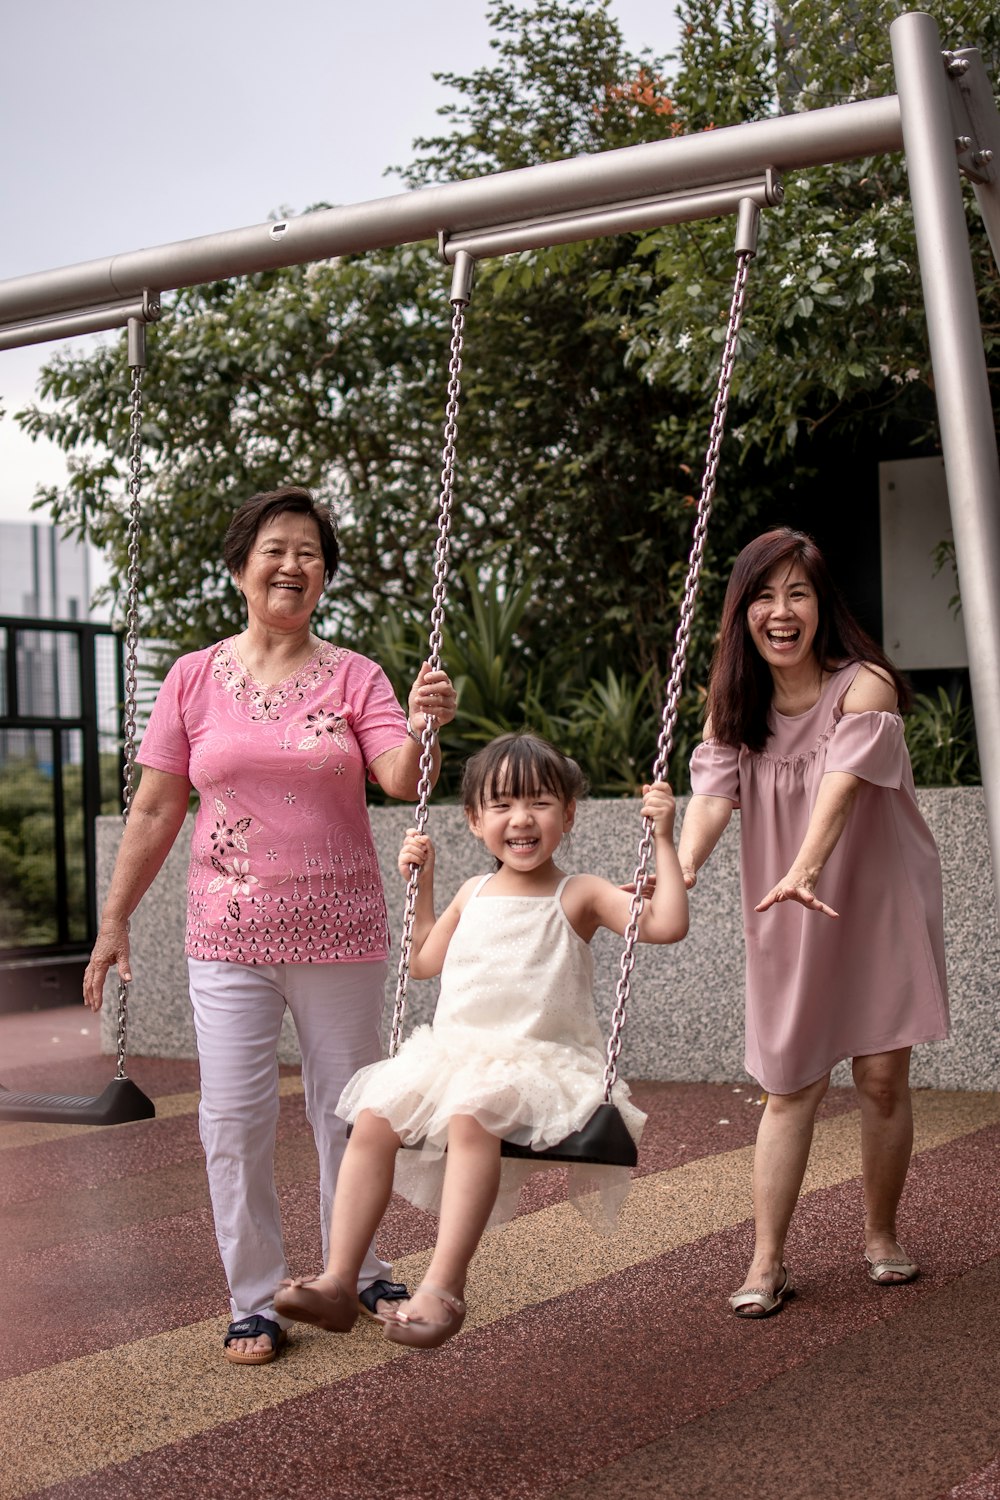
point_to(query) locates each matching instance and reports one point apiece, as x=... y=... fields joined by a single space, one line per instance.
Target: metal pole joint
x=463 y=272
x=747 y=226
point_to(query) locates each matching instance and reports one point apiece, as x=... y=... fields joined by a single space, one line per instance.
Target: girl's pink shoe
x=300 y=1299
x=419 y=1333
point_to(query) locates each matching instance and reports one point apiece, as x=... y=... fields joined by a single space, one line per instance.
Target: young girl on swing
x=515 y=1051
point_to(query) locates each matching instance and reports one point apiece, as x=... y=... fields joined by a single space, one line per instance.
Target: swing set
x=943 y=115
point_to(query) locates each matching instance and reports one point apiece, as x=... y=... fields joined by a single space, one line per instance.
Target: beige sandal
x=906 y=1269
x=756 y=1296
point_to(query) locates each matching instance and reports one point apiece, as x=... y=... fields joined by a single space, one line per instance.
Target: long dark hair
x=741 y=686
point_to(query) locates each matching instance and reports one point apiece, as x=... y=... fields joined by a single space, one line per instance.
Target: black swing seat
x=121 y=1102
x=604 y=1141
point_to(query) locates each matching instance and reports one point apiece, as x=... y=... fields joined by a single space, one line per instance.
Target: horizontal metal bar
x=18 y=623
x=30 y=721
x=577 y=185
x=618 y=218
x=68 y=325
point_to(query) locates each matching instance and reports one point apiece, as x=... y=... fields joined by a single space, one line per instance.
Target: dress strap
x=479 y=885
x=557 y=894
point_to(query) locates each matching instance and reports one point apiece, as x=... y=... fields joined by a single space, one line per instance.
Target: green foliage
x=334 y=376
x=588 y=381
x=511 y=677
x=941 y=738
x=835 y=342
x=27 y=853
x=563 y=86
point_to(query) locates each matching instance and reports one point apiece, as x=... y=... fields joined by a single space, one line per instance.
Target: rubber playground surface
x=588 y=1367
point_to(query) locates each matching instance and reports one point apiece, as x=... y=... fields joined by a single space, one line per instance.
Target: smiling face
x=523 y=832
x=284 y=573
x=783 y=617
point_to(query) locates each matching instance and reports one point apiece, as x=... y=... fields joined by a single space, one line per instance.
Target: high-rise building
x=47 y=576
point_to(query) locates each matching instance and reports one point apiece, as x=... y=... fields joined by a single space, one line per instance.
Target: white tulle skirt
x=531 y=1092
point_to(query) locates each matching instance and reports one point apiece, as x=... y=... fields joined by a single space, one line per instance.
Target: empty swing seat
x=121 y=1102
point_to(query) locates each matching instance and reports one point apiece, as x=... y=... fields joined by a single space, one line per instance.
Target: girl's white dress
x=516 y=1043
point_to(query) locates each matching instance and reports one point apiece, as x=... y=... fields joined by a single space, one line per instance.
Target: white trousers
x=238 y=1008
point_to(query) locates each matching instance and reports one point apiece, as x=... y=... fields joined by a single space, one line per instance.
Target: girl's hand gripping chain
x=659 y=807
x=418 y=850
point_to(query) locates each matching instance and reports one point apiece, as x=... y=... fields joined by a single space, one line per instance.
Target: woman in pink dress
x=841 y=886
x=278 y=732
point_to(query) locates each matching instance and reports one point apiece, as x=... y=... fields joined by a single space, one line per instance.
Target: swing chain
x=682 y=639
x=441 y=555
x=131 y=644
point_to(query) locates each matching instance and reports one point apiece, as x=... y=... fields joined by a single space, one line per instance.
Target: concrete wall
x=686 y=1014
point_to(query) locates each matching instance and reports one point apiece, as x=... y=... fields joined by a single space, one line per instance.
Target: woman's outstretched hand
x=796 y=887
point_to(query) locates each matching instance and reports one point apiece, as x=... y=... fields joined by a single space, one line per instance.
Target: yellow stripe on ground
x=168 y=1107
x=135 y=1398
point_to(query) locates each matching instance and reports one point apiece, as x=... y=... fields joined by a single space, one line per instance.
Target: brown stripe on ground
x=650 y=1363
x=894 y=1412
x=536 y=1260
x=157 y=1192
x=130 y=1255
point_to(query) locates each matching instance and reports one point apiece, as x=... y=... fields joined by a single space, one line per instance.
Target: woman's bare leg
x=779 y=1164
x=883 y=1085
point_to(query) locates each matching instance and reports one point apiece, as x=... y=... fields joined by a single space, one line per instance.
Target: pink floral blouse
x=283 y=865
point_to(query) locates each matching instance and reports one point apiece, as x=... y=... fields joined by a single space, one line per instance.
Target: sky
x=134 y=123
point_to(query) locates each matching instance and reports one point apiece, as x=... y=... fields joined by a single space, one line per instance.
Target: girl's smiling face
x=783 y=617
x=523 y=832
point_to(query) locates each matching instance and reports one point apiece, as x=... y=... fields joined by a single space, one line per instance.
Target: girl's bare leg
x=471 y=1183
x=363 y=1191
x=779 y=1164
x=883 y=1086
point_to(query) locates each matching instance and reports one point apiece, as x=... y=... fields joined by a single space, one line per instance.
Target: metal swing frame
x=122 y=1100
x=943 y=116
x=604 y=1139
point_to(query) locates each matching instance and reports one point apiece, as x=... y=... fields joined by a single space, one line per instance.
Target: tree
x=836 y=342
x=589 y=375
x=334 y=375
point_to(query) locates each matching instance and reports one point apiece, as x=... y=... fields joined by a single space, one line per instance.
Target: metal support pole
x=977 y=136
x=462 y=276
x=622 y=177
x=965 y=412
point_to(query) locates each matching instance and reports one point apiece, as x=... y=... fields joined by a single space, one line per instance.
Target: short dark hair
x=253 y=513
x=519 y=764
x=741 y=686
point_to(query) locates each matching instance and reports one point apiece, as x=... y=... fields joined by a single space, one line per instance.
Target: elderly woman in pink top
x=277 y=731
x=841 y=882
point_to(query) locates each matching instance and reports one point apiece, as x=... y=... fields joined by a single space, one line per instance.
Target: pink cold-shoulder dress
x=817 y=989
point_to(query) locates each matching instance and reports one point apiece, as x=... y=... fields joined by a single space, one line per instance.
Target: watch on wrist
x=413 y=733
